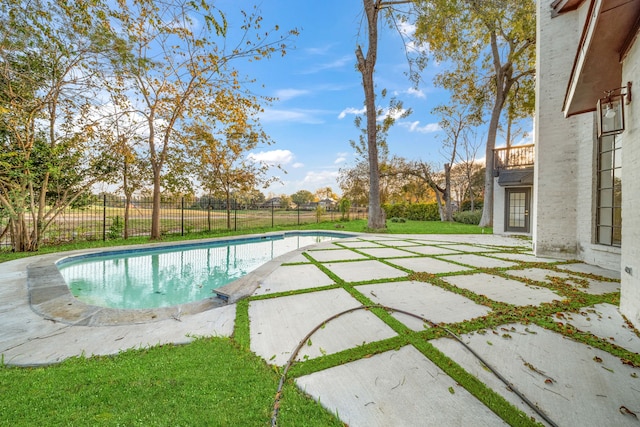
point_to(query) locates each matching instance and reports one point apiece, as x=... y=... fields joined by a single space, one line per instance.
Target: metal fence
x=104 y=218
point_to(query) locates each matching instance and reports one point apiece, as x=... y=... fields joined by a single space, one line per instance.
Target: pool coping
x=51 y=298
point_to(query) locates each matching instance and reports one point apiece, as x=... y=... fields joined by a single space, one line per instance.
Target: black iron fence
x=104 y=218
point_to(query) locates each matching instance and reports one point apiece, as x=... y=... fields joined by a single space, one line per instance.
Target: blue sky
x=319 y=89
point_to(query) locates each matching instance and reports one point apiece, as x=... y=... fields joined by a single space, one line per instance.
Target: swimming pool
x=176 y=274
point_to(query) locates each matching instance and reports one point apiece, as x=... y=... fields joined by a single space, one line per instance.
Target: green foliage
x=413 y=211
x=466 y=205
x=116 y=228
x=345 y=208
x=468 y=217
x=301 y=197
x=398 y=220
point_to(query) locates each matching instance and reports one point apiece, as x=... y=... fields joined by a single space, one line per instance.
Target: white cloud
x=340 y=158
x=338 y=63
x=418 y=93
x=395 y=114
x=322 y=50
x=351 y=110
x=315 y=180
x=415 y=127
x=408 y=32
x=273 y=157
x=286 y=94
x=295 y=115
x=297 y=165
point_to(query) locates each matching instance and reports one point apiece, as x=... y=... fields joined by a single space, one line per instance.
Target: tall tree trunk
x=503 y=85
x=366 y=67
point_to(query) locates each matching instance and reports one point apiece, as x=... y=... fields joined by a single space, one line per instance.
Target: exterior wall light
x=611 y=110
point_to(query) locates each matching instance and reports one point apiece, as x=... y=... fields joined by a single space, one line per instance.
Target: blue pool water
x=151 y=278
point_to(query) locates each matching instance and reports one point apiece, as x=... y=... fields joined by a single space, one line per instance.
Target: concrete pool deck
x=571 y=382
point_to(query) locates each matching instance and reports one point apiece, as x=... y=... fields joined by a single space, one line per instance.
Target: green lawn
x=212 y=381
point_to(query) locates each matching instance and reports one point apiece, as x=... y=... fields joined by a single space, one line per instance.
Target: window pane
x=606 y=217
x=609 y=212
x=604 y=235
x=606 y=198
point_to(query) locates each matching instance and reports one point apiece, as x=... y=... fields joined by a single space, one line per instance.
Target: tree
x=491 y=44
x=366 y=63
x=455 y=120
x=49 y=55
x=121 y=131
x=302 y=197
x=177 y=58
x=223 y=167
x=354 y=183
x=325 y=193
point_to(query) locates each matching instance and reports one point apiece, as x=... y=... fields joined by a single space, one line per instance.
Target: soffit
x=598 y=63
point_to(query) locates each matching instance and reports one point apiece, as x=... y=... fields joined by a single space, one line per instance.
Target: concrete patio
x=445 y=279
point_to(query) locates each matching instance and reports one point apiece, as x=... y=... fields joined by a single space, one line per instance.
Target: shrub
x=396 y=219
x=466 y=205
x=414 y=212
x=345 y=208
x=116 y=228
x=468 y=217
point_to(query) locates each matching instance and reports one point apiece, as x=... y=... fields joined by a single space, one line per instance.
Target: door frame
x=527 y=209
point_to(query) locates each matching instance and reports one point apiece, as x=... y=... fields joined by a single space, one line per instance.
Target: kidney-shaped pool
x=178 y=274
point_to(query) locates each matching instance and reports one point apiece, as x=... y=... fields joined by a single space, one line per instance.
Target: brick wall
x=555 y=177
x=630 y=297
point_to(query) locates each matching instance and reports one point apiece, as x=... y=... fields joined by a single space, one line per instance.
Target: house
x=512 y=189
x=275 y=203
x=586 y=184
x=327 y=203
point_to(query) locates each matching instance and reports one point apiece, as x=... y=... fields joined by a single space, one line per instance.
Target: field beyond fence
x=104 y=219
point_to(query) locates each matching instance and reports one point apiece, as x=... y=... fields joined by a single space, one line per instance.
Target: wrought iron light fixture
x=611 y=110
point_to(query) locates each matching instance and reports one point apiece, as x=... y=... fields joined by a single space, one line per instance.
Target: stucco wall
x=556 y=138
x=630 y=297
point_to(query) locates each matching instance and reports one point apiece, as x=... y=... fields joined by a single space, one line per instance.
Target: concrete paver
x=359 y=271
x=478 y=261
x=504 y=290
x=425 y=300
x=293 y=277
x=574 y=384
x=428 y=265
x=335 y=255
x=606 y=322
x=431 y=250
x=386 y=252
x=278 y=325
x=591 y=269
x=396 y=388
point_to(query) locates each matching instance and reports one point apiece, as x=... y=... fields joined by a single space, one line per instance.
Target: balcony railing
x=518 y=156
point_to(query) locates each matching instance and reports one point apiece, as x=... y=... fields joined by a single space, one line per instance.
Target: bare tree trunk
x=366 y=67
x=447 y=193
x=155 y=210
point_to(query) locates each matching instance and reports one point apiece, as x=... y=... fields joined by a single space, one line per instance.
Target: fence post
x=182 y=216
x=104 y=217
x=271 y=213
x=235 y=215
x=298 y=214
